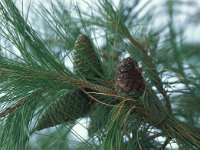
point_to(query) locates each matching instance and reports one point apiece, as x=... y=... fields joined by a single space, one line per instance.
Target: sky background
x=191 y=32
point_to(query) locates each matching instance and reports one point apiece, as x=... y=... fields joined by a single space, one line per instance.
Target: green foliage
x=39 y=90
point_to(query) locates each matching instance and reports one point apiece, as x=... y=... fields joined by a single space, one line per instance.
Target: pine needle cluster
x=131 y=102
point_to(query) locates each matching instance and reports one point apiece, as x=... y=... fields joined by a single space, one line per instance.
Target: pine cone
x=129 y=80
x=72 y=106
x=86 y=60
x=77 y=104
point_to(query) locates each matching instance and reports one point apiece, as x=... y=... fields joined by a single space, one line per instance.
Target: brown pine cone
x=129 y=79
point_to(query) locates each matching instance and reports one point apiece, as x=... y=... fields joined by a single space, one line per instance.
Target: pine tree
x=128 y=103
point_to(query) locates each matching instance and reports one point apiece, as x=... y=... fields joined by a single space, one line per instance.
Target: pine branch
x=89 y=85
x=113 y=20
x=122 y=113
x=165 y=144
x=149 y=62
x=12 y=109
x=26 y=74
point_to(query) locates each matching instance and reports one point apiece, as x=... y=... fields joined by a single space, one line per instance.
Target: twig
x=138 y=141
x=89 y=85
x=162 y=147
x=119 y=111
x=19 y=103
x=92 y=97
x=146 y=56
x=137 y=44
x=11 y=109
x=154 y=136
x=127 y=114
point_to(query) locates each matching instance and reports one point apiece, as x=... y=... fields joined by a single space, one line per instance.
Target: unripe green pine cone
x=86 y=60
x=68 y=108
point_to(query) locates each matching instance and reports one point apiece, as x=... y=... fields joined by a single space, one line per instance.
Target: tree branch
x=12 y=108
x=162 y=147
x=146 y=56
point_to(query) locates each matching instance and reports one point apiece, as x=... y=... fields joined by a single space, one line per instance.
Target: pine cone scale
x=129 y=80
x=86 y=59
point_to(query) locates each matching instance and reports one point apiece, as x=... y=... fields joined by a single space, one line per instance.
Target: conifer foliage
x=129 y=87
